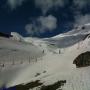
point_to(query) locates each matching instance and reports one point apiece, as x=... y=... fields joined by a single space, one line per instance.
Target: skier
x=2 y=65
x=59 y=51
x=43 y=51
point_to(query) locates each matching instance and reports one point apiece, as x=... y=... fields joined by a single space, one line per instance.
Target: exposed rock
x=83 y=60
x=37 y=74
x=28 y=86
x=5 y=35
x=37 y=84
x=54 y=86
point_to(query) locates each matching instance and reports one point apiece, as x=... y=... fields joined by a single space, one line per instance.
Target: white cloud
x=41 y=25
x=48 y=22
x=82 y=19
x=14 y=3
x=32 y=29
x=45 y=5
x=81 y=3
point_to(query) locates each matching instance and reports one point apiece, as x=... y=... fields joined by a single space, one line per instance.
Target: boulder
x=83 y=60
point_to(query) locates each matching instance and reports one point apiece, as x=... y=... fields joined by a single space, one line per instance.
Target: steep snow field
x=14 y=55
x=48 y=60
x=74 y=36
x=58 y=67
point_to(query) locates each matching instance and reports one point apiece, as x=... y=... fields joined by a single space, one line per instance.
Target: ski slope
x=48 y=60
x=14 y=55
x=58 y=67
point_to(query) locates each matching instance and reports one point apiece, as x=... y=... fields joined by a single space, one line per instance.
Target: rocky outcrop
x=83 y=60
x=39 y=86
x=5 y=35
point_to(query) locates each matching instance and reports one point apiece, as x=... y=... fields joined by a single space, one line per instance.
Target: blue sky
x=42 y=18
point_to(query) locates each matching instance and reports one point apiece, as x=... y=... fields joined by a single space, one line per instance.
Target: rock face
x=83 y=60
x=39 y=86
x=5 y=35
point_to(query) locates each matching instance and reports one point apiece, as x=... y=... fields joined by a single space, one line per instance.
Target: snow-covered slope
x=16 y=36
x=70 y=38
x=14 y=55
x=52 y=61
x=79 y=30
x=58 y=67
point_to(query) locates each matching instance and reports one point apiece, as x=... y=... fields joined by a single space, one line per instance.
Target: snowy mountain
x=16 y=36
x=47 y=64
x=70 y=38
